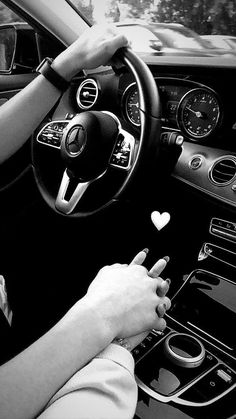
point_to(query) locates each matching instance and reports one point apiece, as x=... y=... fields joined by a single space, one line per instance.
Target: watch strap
x=51 y=75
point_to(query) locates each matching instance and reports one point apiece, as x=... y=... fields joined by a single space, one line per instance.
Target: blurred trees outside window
x=7 y=15
x=202 y=16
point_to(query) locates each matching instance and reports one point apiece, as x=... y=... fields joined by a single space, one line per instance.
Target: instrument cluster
x=193 y=109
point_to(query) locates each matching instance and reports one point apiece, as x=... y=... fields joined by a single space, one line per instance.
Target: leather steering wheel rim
x=149 y=140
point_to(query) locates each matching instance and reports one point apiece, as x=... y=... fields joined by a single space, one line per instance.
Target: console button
x=146 y=344
x=212 y=385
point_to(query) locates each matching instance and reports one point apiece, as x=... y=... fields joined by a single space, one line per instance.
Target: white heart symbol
x=160 y=220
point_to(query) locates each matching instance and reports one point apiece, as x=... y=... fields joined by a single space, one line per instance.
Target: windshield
x=167 y=25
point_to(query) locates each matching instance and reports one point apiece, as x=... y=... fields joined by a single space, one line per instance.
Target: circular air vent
x=223 y=171
x=87 y=94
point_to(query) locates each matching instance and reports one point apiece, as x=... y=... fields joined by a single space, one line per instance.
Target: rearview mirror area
x=7 y=48
x=18 y=49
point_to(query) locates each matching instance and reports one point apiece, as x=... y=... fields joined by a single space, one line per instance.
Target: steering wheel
x=92 y=160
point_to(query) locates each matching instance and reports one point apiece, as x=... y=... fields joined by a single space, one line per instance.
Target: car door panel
x=11 y=84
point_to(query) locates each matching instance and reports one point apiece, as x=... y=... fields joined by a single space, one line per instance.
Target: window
x=7 y=15
x=18 y=46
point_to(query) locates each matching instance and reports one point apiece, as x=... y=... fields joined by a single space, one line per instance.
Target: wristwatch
x=51 y=75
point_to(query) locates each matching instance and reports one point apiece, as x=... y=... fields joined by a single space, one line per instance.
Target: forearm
x=105 y=387
x=29 y=380
x=23 y=113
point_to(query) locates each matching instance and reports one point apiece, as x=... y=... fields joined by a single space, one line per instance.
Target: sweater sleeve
x=104 y=389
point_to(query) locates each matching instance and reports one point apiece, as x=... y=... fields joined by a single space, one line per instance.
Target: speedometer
x=199 y=113
x=131 y=104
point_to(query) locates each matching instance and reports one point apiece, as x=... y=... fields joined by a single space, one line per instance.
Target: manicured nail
x=166 y=258
x=161 y=310
x=146 y=250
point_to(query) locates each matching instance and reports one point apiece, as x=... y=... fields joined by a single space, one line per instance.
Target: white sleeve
x=103 y=389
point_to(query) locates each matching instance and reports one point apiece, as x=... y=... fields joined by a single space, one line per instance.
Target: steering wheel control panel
x=51 y=134
x=122 y=155
x=192 y=363
x=123 y=151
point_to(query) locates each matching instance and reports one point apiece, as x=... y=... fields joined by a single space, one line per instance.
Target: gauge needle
x=197 y=113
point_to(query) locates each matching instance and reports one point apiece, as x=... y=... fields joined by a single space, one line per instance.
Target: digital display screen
x=170 y=98
x=208 y=303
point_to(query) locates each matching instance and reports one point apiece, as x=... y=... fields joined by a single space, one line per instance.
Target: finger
x=163 y=307
x=161 y=310
x=163 y=288
x=117 y=41
x=140 y=257
x=167 y=303
x=159 y=266
x=160 y=324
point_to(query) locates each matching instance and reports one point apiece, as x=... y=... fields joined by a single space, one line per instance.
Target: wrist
x=98 y=323
x=105 y=315
x=46 y=69
x=64 y=67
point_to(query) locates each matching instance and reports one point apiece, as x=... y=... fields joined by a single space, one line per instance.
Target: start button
x=195 y=162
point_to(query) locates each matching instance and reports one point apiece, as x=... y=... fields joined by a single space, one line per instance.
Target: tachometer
x=199 y=113
x=131 y=104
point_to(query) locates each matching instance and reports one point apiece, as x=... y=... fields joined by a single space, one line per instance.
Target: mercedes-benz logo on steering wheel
x=76 y=140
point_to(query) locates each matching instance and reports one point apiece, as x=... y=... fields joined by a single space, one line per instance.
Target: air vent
x=87 y=94
x=223 y=171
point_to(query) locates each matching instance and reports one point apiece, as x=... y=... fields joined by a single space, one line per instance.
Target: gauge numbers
x=199 y=113
x=131 y=104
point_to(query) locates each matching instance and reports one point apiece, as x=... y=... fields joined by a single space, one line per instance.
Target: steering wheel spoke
x=66 y=204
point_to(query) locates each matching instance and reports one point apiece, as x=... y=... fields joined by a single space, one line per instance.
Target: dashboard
x=196 y=105
x=191 y=108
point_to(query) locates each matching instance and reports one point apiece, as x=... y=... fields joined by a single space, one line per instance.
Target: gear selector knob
x=184 y=350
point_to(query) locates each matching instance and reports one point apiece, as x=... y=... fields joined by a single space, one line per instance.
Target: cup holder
x=184 y=350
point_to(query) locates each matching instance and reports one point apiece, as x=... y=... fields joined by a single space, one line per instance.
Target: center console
x=191 y=366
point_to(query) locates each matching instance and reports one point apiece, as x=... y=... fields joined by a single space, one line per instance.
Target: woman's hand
x=127 y=298
x=162 y=289
x=93 y=48
x=159 y=220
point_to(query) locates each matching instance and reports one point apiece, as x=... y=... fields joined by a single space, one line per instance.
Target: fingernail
x=166 y=258
x=146 y=250
x=168 y=280
x=161 y=310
